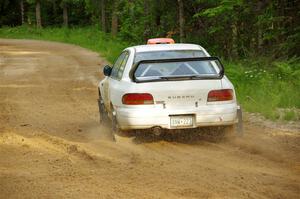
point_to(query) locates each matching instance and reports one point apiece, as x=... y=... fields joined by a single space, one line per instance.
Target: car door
x=115 y=78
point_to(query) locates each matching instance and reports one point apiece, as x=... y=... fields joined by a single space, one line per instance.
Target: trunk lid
x=178 y=94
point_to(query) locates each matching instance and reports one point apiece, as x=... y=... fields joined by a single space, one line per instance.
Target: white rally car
x=167 y=86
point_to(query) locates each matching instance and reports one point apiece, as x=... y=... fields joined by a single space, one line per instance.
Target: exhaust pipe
x=157 y=130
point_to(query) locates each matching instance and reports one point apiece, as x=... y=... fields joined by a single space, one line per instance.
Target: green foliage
x=222 y=7
x=132 y=20
x=230 y=28
x=265 y=87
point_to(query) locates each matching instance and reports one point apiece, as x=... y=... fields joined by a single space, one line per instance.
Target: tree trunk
x=114 y=21
x=158 y=12
x=146 y=24
x=181 y=20
x=260 y=6
x=22 y=11
x=65 y=15
x=234 y=46
x=38 y=13
x=103 y=16
x=259 y=39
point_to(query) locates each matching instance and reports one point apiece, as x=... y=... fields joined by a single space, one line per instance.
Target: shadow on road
x=191 y=136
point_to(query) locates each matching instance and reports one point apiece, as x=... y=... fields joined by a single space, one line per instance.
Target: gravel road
x=52 y=146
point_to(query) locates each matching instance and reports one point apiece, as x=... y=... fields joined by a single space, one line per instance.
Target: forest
x=231 y=28
x=258 y=40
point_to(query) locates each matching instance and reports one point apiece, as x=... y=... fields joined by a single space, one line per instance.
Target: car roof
x=165 y=47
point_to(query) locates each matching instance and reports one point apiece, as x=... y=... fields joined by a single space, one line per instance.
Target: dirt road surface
x=52 y=146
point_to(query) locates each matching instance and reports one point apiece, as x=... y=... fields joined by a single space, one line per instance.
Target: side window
x=122 y=65
x=116 y=66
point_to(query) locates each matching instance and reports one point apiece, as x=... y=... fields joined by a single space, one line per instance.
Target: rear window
x=198 y=68
x=174 y=54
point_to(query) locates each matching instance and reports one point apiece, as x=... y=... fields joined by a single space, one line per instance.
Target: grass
x=290 y=115
x=269 y=88
x=262 y=86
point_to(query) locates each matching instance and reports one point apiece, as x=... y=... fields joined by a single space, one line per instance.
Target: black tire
x=103 y=114
x=104 y=119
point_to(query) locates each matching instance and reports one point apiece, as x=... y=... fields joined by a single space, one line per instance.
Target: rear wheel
x=104 y=119
x=117 y=131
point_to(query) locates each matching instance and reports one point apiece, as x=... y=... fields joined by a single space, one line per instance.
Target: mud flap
x=239 y=125
x=100 y=111
x=103 y=114
x=114 y=126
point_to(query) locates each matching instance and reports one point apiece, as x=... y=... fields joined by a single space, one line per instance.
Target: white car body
x=182 y=100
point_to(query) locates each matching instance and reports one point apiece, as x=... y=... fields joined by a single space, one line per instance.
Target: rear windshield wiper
x=189 y=77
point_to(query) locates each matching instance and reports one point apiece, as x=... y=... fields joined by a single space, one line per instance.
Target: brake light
x=137 y=99
x=220 y=95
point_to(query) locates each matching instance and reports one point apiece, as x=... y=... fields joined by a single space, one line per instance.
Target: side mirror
x=107 y=70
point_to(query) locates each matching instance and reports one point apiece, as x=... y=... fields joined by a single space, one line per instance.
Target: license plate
x=181 y=121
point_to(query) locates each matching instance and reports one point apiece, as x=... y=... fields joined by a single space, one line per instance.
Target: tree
x=97 y=9
x=114 y=20
x=22 y=11
x=181 y=20
x=230 y=28
x=103 y=16
x=65 y=13
x=147 y=21
x=38 y=13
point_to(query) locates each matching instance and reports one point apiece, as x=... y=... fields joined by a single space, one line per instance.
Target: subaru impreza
x=167 y=86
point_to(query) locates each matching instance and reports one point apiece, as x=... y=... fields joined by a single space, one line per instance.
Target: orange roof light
x=161 y=41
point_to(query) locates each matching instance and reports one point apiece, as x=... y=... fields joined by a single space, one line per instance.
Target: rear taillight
x=137 y=99
x=220 y=95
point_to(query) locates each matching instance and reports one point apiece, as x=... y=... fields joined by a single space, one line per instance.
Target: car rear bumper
x=143 y=118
